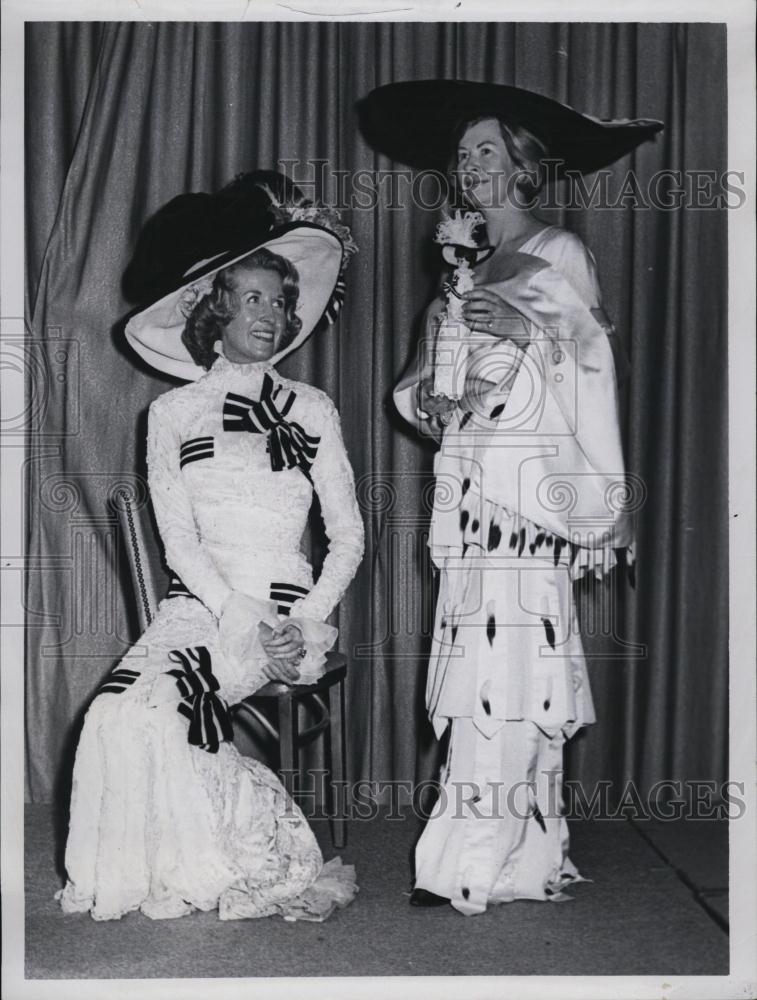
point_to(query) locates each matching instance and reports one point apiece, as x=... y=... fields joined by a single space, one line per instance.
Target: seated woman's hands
x=284 y=647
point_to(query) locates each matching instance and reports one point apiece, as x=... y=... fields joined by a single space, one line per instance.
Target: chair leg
x=288 y=750
x=337 y=803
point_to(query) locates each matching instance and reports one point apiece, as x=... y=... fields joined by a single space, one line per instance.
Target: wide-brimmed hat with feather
x=186 y=243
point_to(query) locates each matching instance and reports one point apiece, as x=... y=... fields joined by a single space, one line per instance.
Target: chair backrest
x=148 y=577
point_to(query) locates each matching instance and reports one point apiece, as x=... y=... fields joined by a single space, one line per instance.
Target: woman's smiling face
x=483 y=163
x=257 y=330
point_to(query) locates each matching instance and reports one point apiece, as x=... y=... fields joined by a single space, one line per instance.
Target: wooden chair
x=325 y=697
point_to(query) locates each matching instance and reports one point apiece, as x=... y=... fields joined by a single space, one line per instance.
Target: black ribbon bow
x=209 y=719
x=288 y=444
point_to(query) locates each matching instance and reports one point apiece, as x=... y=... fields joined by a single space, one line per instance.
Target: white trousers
x=497 y=832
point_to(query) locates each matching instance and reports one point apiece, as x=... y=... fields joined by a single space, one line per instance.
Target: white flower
x=303 y=210
x=193 y=293
x=459 y=228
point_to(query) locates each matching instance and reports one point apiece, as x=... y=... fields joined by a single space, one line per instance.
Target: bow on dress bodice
x=289 y=445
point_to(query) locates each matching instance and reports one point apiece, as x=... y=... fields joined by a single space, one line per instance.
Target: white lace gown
x=162 y=824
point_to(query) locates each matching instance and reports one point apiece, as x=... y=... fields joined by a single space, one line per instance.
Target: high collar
x=238 y=373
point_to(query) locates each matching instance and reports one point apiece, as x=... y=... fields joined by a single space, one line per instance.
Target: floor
x=657 y=905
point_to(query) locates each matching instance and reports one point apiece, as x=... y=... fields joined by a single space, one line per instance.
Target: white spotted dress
x=507 y=673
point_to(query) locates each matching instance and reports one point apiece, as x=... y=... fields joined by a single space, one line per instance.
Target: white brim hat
x=317 y=253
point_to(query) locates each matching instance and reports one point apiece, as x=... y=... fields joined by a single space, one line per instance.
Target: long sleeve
x=573 y=433
x=335 y=485
x=173 y=511
x=569 y=255
x=577 y=264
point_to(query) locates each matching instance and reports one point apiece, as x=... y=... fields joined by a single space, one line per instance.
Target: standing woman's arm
x=575 y=261
x=411 y=394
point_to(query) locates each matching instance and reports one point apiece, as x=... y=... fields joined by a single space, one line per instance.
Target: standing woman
x=530 y=482
x=166 y=816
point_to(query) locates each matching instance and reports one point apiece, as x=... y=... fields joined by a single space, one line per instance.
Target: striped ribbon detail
x=288 y=443
x=208 y=714
x=335 y=302
x=285 y=594
x=194 y=450
x=118 y=680
x=177 y=589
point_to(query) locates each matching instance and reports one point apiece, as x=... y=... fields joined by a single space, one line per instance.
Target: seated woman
x=166 y=816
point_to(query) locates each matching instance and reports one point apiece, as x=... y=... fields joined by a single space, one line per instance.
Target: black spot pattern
x=539 y=818
x=522 y=541
x=495 y=536
x=465 y=549
x=487 y=706
x=513 y=539
x=549 y=631
x=546 y=705
x=491 y=629
x=464 y=515
x=466 y=893
x=558 y=549
x=474 y=525
x=466 y=485
x=466 y=418
x=454 y=634
x=497 y=411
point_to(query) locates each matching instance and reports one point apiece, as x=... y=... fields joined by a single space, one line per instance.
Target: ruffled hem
x=334 y=889
x=555 y=890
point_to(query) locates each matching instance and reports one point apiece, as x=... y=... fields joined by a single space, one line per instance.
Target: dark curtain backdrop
x=122 y=117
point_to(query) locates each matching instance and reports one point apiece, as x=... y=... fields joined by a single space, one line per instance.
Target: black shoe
x=422 y=897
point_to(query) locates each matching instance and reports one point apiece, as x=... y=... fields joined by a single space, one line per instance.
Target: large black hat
x=186 y=243
x=414 y=123
x=199 y=226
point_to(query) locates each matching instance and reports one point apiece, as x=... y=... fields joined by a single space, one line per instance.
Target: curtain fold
x=120 y=117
